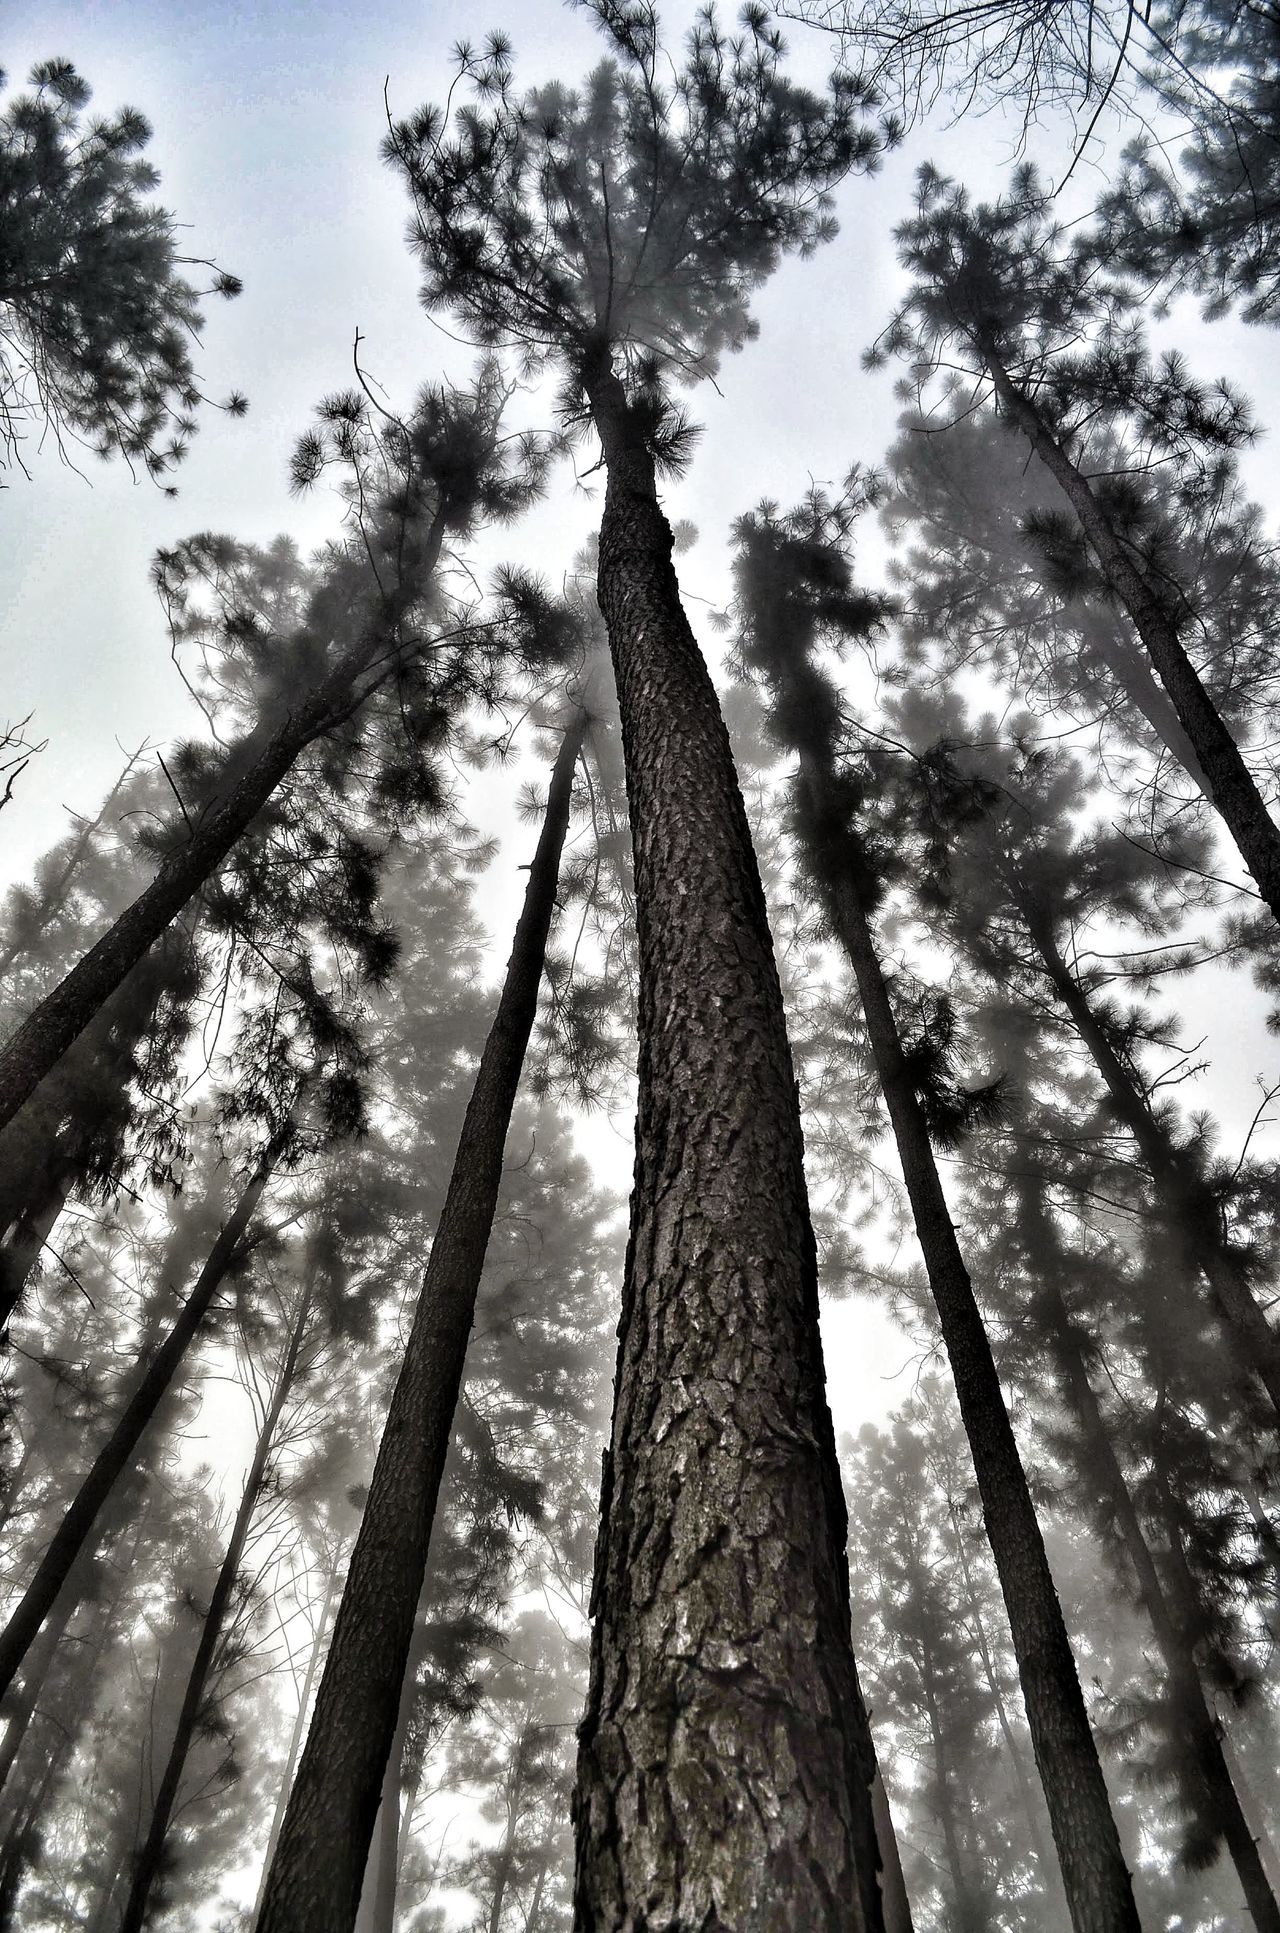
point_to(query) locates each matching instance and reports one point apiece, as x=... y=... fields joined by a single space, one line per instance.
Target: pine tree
x=98 y=317
x=794 y=583
x=619 y=232
x=995 y=285
x=372 y=623
x=319 y=1860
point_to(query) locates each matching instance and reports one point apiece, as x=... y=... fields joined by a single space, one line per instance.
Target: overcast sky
x=267 y=121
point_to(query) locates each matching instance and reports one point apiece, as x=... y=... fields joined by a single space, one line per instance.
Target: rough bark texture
x=152 y=1851
x=116 y=1454
x=1096 y=1879
x=256 y=768
x=314 y=1882
x=1159 y=615
x=1185 y=1201
x=1205 y=1761
x=725 y=1763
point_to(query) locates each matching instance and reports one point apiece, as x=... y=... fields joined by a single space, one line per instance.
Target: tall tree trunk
x=1160 y=614
x=1129 y=669
x=299 y=1731
x=963 y=1915
x=314 y=1882
x=116 y=1454
x=151 y=1854
x=255 y=767
x=1185 y=1200
x=725 y=1761
x=20 y=1707
x=1098 y=1888
x=1205 y=1767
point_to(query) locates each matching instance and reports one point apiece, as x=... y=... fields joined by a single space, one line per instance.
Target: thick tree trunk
x=116 y=1455
x=725 y=1763
x=1159 y=616
x=255 y=768
x=151 y=1854
x=314 y=1882
x=1098 y=1888
x=1205 y=1768
x=1185 y=1201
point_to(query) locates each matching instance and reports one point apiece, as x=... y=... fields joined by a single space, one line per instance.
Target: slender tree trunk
x=725 y=1761
x=314 y=1882
x=1129 y=670
x=534 y=1915
x=1026 y=1791
x=116 y=1454
x=151 y=1854
x=1186 y=1202
x=299 y=1731
x=1159 y=616
x=22 y=1704
x=895 y=1903
x=20 y=1251
x=962 y=1914
x=1204 y=1763
x=377 y=1912
x=1098 y=1888
x=53 y=896
x=255 y=768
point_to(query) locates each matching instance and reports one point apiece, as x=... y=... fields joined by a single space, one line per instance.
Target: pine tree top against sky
x=97 y=321
x=638 y=212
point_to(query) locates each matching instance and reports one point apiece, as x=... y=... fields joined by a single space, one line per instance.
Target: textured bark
x=725 y=1762
x=314 y=1882
x=1185 y=1201
x=1098 y=1888
x=116 y=1454
x=1204 y=1758
x=1160 y=614
x=255 y=769
x=151 y=1853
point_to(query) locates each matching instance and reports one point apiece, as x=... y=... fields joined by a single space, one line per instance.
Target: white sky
x=267 y=122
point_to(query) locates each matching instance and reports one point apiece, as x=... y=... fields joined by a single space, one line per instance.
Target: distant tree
x=373 y=622
x=794 y=588
x=619 y=231
x=97 y=321
x=319 y=1860
x=1062 y=352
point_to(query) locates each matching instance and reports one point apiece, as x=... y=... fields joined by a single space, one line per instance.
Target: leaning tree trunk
x=1160 y=614
x=314 y=1882
x=255 y=768
x=377 y=1911
x=1186 y=1202
x=151 y=1855
x=1204 y=1766
x=1098 y=1888
x=299 y=1730
x=725 y=1762
x=116 y=1454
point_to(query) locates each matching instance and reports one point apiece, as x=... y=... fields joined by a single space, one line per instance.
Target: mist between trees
x=393 y=1541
